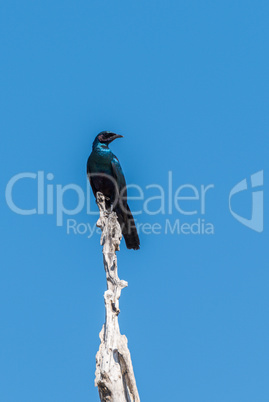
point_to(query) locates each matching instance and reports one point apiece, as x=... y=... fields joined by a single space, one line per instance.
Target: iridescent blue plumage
x=106 y=176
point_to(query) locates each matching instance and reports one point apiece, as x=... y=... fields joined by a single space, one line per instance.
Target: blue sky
x=186 y=83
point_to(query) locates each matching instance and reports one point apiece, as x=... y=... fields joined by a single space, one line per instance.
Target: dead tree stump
x=114 y=375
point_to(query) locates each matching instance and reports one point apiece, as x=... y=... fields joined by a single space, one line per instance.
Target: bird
x=106 y=176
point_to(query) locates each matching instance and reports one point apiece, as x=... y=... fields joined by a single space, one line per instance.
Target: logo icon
x=256 y=221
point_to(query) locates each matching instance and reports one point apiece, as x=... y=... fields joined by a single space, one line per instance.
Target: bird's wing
x=92 y=184
x=118 y=175
x=122 y=209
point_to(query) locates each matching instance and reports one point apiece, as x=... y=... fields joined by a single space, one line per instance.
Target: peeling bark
x=114 y=375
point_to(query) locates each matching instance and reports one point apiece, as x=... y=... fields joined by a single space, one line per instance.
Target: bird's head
x=106 y=137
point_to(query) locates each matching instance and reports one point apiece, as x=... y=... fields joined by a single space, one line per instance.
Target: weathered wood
x=114 y=375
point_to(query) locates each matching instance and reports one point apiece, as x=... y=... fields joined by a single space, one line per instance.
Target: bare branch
x=114 y=375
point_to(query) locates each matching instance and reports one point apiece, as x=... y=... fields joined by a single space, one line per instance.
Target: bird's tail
x=128 y=228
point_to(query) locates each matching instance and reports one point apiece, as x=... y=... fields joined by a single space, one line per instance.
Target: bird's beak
x=117 y=136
